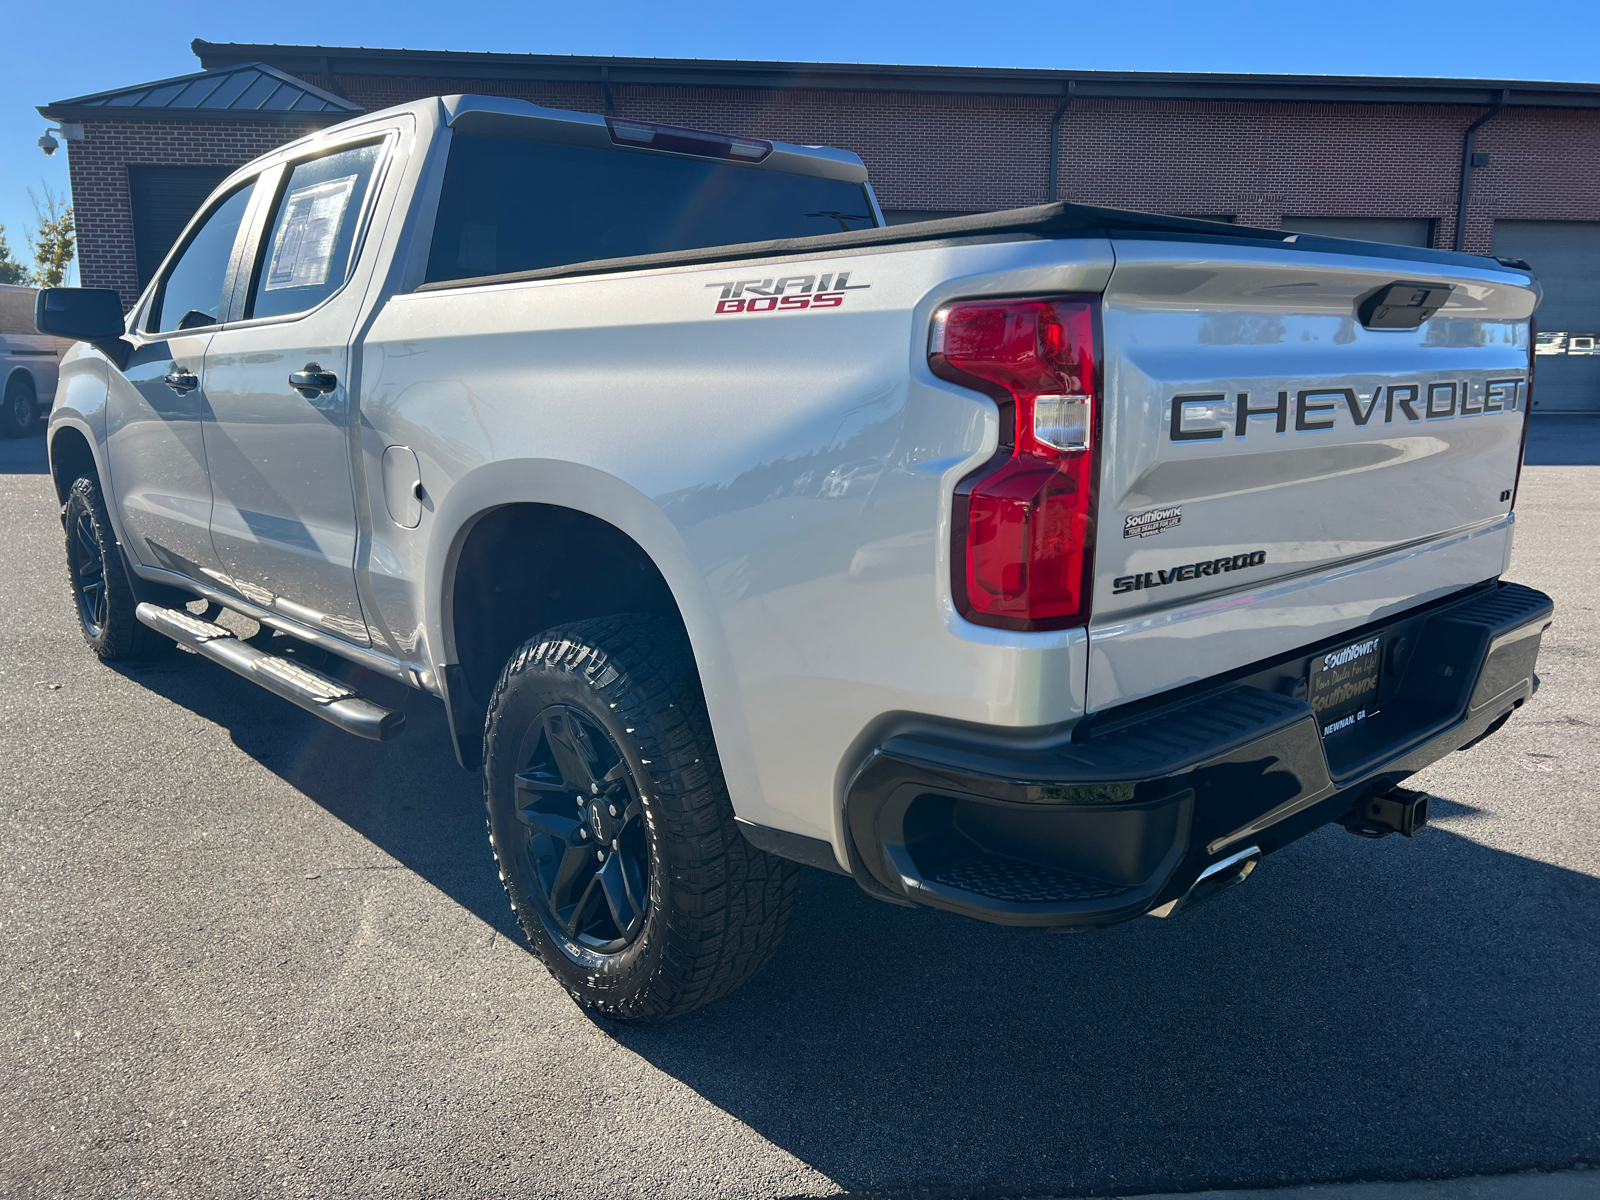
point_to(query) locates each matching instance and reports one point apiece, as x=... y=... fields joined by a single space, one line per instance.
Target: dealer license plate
x=1342 y=685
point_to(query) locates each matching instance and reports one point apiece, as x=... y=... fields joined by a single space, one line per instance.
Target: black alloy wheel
x=611 y=824
x=587 y=845
x=87 y=563
x=102 y=592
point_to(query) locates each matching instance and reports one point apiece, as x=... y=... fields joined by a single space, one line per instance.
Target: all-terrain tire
x=98 y=577
x=703 y=909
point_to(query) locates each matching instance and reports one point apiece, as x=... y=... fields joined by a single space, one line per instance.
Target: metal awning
x=464 y=67
x=250 y=91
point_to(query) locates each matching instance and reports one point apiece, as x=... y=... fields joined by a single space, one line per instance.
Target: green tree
x=55 y=242
x=11 y=271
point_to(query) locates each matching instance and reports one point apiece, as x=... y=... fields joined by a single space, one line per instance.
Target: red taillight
x=1024 y=522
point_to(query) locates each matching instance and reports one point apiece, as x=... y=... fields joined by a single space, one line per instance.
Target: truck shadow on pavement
x=1359 y=1009
x=1563 y=440
x=408 y=797
x=24 y=456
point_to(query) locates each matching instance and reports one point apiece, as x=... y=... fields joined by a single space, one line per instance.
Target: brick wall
x=1544 y=165
x=1256 y=161
x=969 y=153
x=99 y=171
x=1262 y=162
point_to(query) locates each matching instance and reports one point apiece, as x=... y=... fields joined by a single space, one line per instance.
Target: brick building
x=1383 y=159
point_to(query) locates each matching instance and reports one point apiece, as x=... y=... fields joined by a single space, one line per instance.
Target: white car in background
x=29 y=360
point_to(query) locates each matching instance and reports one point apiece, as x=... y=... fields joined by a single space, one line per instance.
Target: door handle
x=181 y=381
x=313 y=381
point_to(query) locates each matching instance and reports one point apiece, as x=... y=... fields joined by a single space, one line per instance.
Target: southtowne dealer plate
x=1343 y=684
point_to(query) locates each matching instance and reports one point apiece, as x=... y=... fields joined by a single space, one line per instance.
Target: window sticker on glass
x=477 y=248
x=310 y=230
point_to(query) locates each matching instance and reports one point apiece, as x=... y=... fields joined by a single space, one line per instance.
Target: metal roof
x=679 y=72
x=249 y=91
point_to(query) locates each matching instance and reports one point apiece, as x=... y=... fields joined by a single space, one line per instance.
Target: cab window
x=520 y=206
x=312 y=235
x=190 y=294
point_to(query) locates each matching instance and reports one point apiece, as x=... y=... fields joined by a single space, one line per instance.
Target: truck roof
x=499 y=116
x=522 y=120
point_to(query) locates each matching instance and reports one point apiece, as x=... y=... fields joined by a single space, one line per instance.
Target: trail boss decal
x=1206 y=417
x=1148 y=524
x=785 y=293
x=1199 y=570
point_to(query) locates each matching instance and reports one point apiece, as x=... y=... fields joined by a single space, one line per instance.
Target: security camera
x=48 y=144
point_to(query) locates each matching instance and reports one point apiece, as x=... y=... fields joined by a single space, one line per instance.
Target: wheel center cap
x=599 y=823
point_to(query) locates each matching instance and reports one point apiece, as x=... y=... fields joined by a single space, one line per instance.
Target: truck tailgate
x=1272 y=471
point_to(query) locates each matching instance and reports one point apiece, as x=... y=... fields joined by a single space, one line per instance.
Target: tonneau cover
x=1041 y=221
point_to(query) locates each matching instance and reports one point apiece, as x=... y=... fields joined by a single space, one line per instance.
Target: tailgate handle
x=1403 y=304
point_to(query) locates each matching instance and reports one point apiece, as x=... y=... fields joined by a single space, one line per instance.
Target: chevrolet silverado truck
x=1051 y=567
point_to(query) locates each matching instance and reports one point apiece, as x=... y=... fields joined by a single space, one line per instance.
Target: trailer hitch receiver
x=1398 y=810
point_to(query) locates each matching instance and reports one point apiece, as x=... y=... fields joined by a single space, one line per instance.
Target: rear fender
x=597 y=494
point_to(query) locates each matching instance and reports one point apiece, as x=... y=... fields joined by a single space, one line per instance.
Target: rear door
x=1274 y=471
x=278 y=436
x=155 y=407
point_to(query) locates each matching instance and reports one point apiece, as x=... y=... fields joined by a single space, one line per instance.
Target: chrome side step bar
x=311 y=690
x=1213 y=881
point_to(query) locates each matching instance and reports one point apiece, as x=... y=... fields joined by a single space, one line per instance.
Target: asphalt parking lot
x=244 y=954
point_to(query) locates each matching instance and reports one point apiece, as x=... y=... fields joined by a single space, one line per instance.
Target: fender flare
x=595 y=493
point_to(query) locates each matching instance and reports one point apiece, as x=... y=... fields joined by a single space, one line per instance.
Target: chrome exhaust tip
x=1213 y=881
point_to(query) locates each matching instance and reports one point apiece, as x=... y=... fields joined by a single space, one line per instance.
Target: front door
x=279 y=436
x=156 y=403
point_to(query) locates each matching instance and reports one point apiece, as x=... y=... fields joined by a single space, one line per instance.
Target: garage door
x=163 y=199
x=1566 y=258
x=1398 y=231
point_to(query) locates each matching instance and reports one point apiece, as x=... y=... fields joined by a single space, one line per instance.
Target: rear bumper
x=1126 y=811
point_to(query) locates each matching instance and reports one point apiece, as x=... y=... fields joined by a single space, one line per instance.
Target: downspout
x=1055 y=139
x=605 y=91
x=333 y=84
x=1466 y=168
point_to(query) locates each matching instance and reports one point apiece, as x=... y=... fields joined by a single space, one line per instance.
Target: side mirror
x=84 y=314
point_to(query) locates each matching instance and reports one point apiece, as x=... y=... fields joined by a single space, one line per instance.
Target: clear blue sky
x=54 y=53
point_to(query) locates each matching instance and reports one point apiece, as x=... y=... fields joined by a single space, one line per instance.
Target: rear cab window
x=509 y=205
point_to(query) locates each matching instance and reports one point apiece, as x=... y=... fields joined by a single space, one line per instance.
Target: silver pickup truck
x=1050 y=567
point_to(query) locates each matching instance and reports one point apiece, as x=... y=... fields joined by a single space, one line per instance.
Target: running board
x=311 y=690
